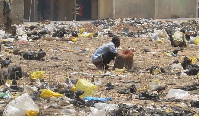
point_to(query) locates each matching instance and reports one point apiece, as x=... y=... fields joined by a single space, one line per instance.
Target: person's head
x=116 y=41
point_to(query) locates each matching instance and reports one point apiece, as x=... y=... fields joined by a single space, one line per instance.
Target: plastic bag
x=102 y=109
x=37 y=75
x=178 y=37
x=20 y=105
x=6 y=95
x=88 y=35
x=99 y=99
x=159 y=41
x=82 y=30
x=156 y=71
x=32 y=113
x=117 y=70
x=177 y=93
x=196 y=41
x=73 y=39
x=49 y=93
x=154 y=36
x=73 y=88
x=154 y=85
x=69 y=112
x=193 y=59
x=85 y=86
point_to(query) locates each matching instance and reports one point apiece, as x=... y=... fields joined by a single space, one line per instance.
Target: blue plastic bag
x=95 y=98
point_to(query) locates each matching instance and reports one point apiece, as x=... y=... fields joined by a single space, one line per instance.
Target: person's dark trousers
x=107 y=57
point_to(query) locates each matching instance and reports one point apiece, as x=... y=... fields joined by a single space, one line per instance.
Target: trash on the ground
x=120 y=71
x=194 y=40
x=20 y=105
x=14 y=72
x=192 y=69
x=32 y=113
x=86 y=86
x=177 y=94
x=109 y=86
x=193 y=59
x=179 y=39
x=123 y=91
x=102 y=109
x=155 y=84
x=49 y=93
x=190 y=87
x=154 y=70
x=6 y=62
x=159 y=41
x=70 y=112
x=137 y=86
x=33 y=55
x=95 y=98
x=73 y=39
x=148 y=96
x=37 y=75
x=98 y=83
x=194 y=104
x=133 y=89
x=186 y=62
x=6 y=95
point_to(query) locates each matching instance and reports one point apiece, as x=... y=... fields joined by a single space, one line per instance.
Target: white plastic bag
x=102 y=109
x=20 y=105
x=177 y=93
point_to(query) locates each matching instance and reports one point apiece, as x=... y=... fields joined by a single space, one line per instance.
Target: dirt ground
x=75 y=57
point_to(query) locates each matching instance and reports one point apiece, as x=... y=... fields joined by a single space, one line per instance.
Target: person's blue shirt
x=109 y=47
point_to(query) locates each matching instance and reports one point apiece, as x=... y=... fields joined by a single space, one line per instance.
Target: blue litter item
x=95 y=98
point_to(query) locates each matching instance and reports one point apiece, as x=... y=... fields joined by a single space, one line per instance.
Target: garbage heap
x=46 y=69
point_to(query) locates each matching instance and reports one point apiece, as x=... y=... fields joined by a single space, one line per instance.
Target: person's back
x=103 y=49
x=104 y=54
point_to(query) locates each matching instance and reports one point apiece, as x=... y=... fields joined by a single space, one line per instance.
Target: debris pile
x=46 y=68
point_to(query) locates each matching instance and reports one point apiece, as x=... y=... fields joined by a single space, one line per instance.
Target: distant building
x=61 y=10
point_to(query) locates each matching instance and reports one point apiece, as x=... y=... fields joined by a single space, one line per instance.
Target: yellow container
x=85 y=86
